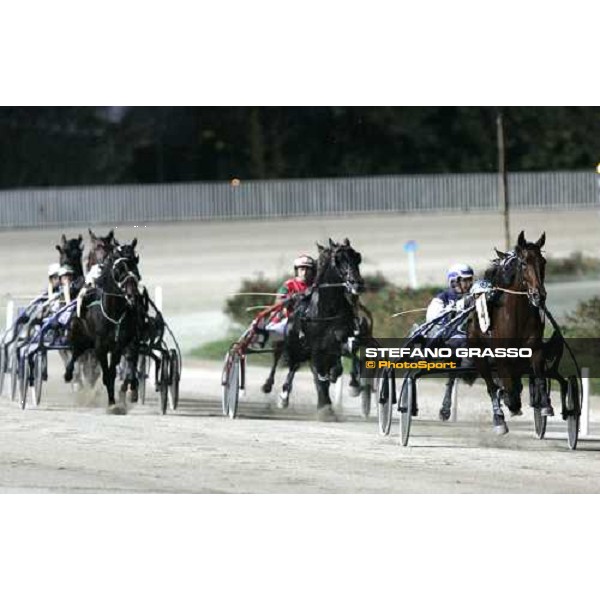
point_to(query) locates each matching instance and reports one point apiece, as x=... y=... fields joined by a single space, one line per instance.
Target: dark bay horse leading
x=516 y=320
x=323 y=320
x=101 y=248
x=110 y=317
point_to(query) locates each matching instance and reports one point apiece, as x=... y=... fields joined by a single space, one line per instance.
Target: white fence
x=289 y=198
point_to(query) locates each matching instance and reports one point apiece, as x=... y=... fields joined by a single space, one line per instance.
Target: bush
x=382 y=298
x=575 y=266
x=584 y=321
x=236 y=306
x=393 y=299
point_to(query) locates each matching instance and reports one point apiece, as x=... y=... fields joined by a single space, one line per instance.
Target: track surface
x=70 y=443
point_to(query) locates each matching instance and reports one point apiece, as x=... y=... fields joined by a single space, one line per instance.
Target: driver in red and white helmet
x=304 y=273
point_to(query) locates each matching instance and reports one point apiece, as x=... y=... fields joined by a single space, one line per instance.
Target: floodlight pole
x=503 y=178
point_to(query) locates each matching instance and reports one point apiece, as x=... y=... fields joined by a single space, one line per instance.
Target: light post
x=502 y=177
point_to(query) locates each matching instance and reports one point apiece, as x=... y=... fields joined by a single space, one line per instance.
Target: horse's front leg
x=495 y=393
x=130 y=380
x=277 y=352
x=102 y=358
x=321 y=373
x=76 y=352
x=511 y=386
x=115 y=359
x=286 y=390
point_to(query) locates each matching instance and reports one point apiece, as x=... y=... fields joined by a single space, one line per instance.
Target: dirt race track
x=71 y=444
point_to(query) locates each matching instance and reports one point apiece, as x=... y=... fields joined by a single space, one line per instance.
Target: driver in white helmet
x=53 y=279
x=460 y=280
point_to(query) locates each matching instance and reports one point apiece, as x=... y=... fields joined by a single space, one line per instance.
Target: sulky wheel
x=40 y=367
x=24 y=381
x=231 y=385
x=385 y=405
x=174 y=377
x=164 y=383
x=573 y=406
x=14 y=373
x=539 y=420
x=3 y=366
x=142 y=375
x=407 y=399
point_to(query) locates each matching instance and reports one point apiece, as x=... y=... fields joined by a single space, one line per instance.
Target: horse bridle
x=532 y=294
x=344 y=283
x=120 y=283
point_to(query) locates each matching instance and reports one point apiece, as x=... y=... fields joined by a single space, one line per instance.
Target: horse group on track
x=110 y=320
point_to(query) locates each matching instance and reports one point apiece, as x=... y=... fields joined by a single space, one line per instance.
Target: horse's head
x=343 y=261
x=532 y=266
x=71 y=251
x=124 y=268
x=102 y=247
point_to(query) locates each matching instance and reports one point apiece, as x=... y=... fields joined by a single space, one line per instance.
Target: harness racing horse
x=71 y=253
x=364 y=328
x=516 y=321
x=324 y=319
x=101 y=248
x=110 y=317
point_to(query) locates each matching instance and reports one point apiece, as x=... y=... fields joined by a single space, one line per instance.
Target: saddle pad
x=482 y=312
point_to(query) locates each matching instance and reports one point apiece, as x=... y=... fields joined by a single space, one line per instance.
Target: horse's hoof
x=501 y=429
x=134 y=396
x=516 y=413
x=284 y=400
x=444 y=414
x=68 y=377
x=117 y=409
x=111 y=402
x=353 y=390
x=326 y=414
x=547 y=411
x=266 y=388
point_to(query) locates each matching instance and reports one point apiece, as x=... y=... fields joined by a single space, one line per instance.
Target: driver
x=53 y=279
x=304 y=275
x=460 y=280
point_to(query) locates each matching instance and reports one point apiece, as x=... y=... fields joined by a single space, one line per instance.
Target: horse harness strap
x=110 y=319
x=515 y=292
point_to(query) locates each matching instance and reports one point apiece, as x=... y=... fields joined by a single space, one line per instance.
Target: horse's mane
x=323 y=262
x=502 y=271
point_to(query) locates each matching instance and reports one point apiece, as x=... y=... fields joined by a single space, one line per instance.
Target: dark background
x=60 y=146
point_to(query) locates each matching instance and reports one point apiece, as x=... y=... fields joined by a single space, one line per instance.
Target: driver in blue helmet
x=460 y=280
x=453 y=299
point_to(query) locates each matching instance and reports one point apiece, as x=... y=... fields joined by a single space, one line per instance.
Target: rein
x=515 y=292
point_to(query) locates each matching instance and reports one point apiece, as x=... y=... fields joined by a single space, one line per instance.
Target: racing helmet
x=458 y=271
x=53 y=269
x=66 y=270
x=304 y=260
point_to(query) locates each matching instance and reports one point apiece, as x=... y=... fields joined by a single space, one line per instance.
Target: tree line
x=70 y=146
